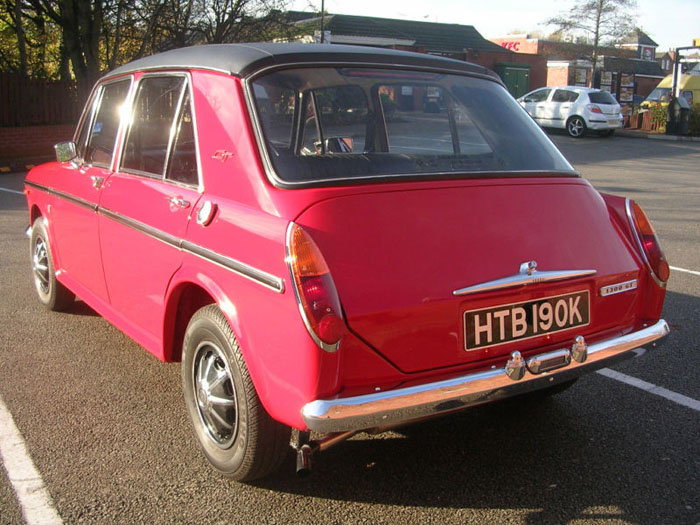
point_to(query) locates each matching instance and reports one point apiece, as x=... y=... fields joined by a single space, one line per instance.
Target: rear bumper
x=602 y=123
x=416 y=402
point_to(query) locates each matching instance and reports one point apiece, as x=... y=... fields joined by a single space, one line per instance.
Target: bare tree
x=601 y=22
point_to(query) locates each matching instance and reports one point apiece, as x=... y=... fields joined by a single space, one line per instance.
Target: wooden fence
x=32 y=102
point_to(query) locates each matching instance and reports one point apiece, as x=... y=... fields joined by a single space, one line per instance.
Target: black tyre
x=606 y=133
x=576 y=127
x=52 y=294
x=236 y=434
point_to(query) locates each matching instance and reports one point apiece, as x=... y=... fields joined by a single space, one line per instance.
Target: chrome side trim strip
x=67 y=196
x=141 y=227
x=523 y=278
x=249 y=272
x=242 y=269
x=407 y=404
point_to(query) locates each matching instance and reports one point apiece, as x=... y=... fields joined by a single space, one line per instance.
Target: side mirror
x=65 y=151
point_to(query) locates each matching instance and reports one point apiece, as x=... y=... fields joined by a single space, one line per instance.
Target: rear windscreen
x=327 y=124
x=601 y=97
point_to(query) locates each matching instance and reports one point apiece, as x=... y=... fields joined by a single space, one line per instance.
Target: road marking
x=652 y=389
x=35 y=500
x=676 y=269
x=12 y=191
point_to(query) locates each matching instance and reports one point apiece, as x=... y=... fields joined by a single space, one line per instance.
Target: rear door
x=147 y=203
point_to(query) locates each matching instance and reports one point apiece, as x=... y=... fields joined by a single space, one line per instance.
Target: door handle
x=178 y=201
x=96 y=181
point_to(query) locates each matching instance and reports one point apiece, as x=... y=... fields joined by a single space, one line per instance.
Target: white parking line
x=12 y=191
x=652 y=389
x=35 y=500
x=676 y=269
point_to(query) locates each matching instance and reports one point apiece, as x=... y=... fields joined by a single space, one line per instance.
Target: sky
x=670 y=23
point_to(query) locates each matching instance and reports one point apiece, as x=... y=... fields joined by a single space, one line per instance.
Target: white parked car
x=575 y=109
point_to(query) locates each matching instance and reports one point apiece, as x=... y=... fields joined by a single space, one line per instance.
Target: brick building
x=521 y=72
x=629 y=71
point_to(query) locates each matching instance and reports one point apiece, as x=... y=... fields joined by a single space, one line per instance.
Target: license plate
x=502 y=324
x=613 y=122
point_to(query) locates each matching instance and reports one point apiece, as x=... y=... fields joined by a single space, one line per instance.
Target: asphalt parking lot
x=105 y=425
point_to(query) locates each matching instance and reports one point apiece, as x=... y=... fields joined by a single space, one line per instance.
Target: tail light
x=314 y=289
x=648 y=243
x=593 y=108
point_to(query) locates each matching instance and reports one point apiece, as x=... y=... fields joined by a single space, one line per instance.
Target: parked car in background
x=575 y=109
x=317 y=264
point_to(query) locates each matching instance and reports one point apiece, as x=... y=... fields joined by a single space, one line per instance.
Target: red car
x=334 y=239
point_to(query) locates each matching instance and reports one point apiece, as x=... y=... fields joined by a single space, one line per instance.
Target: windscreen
x=659 y=95
x=333 y=124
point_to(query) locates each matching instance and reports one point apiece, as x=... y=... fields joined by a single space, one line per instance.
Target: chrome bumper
x=408 y=404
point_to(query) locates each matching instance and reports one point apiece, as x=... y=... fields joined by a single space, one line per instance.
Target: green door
x=516 y=77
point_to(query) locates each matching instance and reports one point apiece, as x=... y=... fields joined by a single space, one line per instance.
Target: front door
x=74 y=214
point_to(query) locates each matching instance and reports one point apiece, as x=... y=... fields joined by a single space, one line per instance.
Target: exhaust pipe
x=305 y=448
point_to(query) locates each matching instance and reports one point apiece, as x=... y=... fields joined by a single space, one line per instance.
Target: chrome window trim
x=252 y=273
x=640 y=248
x=278 y=182
x=297 y=295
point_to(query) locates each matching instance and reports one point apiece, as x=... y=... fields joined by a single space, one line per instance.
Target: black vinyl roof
x=245 y=59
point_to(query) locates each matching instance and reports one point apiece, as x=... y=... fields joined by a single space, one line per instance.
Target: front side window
x=331 y=124
x=98 y=136
x=538 y=96
x=155 y=106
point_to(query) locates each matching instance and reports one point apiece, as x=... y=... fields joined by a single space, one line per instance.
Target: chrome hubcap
x=40 y=264
x=215 y=395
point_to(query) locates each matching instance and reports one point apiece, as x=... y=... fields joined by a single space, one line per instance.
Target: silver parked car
x=575 y=109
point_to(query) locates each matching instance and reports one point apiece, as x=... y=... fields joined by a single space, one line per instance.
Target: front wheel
x=52 y=294
x=576 y=127
x=235 y=432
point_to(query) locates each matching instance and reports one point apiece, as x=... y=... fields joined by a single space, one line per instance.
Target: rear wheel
x=52 y=294
x=576 y=127
x=235 y=432
x=606 y=133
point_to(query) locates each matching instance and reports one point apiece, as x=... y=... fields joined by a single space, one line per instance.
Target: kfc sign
x=513 y=46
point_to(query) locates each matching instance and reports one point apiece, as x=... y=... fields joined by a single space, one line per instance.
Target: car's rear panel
x=398 y=257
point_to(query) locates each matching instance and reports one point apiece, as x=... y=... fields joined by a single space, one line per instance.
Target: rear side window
x=156 y=105
x=564 y=95
x=601 y=97
x=98 y=136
